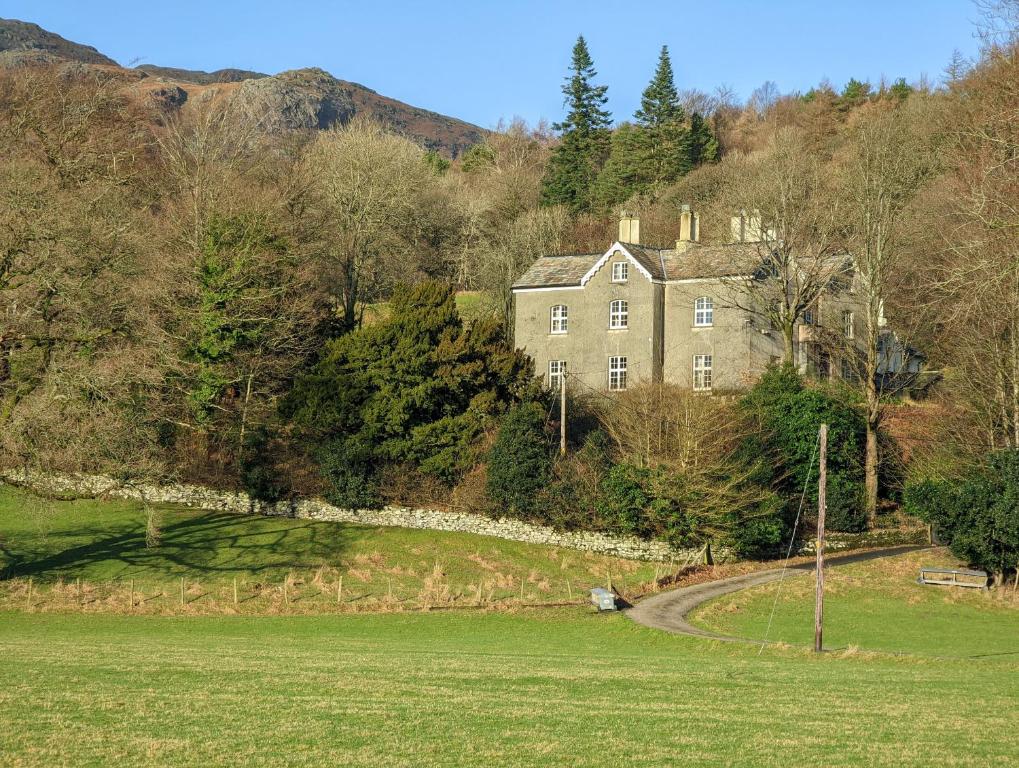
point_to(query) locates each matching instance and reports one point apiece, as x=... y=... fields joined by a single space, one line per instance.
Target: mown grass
x=85 y=554
x=876 y=605
x=527 y=688
x=509 y=686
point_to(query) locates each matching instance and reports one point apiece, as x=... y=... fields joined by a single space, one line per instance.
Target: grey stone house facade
x=636 y=313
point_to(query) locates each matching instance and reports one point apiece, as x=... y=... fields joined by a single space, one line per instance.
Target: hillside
x=23 y=36
x=198 y=76
x=295 y=100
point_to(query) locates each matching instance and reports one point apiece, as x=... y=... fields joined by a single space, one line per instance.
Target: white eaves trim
x=616 y=246
x=525 y=289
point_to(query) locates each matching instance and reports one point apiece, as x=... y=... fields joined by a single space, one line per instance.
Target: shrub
x=262 y=475
x=520 y=462
x=978 y=515
x=420 y=388
x=788 y=415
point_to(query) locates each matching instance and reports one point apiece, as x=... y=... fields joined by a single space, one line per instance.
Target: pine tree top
x=659 y=103
x=585 y=101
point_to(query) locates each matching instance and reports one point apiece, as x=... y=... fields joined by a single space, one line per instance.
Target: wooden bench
x=953 y=577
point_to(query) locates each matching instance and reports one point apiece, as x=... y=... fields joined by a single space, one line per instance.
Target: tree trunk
x=872 y=463
x=788 y=338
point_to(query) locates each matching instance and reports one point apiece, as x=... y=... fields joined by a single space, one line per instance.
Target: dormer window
x=620 y=272
x=619 y=315
x=704 y=312
x=558 y=319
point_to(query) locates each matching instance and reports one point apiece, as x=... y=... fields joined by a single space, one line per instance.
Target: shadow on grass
x=213 y=543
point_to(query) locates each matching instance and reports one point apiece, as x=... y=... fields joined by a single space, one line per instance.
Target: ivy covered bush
x=976 y=514
x=788 y=414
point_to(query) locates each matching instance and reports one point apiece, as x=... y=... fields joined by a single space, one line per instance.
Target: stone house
x=638 y=313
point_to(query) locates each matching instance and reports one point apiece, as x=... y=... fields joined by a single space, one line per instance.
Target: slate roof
x=696 y=261
x=556 y=271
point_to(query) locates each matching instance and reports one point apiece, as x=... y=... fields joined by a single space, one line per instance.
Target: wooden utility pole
x=822 y=489
x=562 y=411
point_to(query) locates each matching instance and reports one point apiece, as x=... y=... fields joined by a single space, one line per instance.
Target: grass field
x=89 y=685
x=531 y=688
x=877 y=606
x=85 y=554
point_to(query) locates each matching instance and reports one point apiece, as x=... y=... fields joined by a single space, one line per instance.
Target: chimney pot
x=689 y=226
x=629 y=229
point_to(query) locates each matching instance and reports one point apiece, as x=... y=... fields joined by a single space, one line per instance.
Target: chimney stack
x=689 y=228
x=629 y=229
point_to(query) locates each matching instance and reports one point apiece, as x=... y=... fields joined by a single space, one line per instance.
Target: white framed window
x=617 y=374
x=703 y=311
x=810 y=316
x=848 y=325
x=559 y=318
x=620 y=272
x=556 y=373
x=619 y=314
x=702 y=373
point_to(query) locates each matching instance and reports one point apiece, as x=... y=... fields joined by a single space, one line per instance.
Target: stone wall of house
x=403 y=517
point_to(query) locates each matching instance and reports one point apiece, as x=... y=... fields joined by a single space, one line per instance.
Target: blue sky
x=482 y=61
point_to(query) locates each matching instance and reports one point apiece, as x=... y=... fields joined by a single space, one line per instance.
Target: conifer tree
x=662 y=120
x=659 y=103
x=575 y=163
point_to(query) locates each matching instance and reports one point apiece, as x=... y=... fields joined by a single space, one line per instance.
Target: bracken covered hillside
x=301 y=99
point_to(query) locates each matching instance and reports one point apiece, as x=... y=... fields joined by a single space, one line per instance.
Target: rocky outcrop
x=200 y=77
x=23 y=36
x=301 y=99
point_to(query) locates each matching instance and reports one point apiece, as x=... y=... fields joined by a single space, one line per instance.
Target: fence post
x=235 y=591
x=339 y=590
x=131 y=599
x=569 y=591
x=182 y=591
x=28 y=598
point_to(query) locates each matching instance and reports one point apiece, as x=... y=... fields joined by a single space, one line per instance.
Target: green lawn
x=877 y=606
x=530 y=688
x=86 y=553
x=84 y=684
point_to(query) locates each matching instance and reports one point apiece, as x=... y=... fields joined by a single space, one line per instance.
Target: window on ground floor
x=556 y=373
x=702 y=373
x=617 y=374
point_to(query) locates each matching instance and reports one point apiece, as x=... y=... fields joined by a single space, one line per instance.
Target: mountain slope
x=200 y=77
x=23 y=36
x=296 y=100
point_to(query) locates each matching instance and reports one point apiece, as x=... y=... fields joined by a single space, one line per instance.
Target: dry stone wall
x=317 y=509
x=404 y=517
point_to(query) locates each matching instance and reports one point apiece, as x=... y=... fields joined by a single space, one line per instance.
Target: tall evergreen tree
x=663 y=125
x=575 y=163
x=659 y=103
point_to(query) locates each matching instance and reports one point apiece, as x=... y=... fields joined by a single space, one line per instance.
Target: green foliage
x=576 y=160
x=478 y=157
x=788 y=415
x=661 y=147
x=436 y=162
x=644 y=502
x=419 y=388
x=900 y=89
x=979 y=515
x=520 y=462
x=261 y=474
x=659 y=104
x=855 y=93
x=229 y=275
